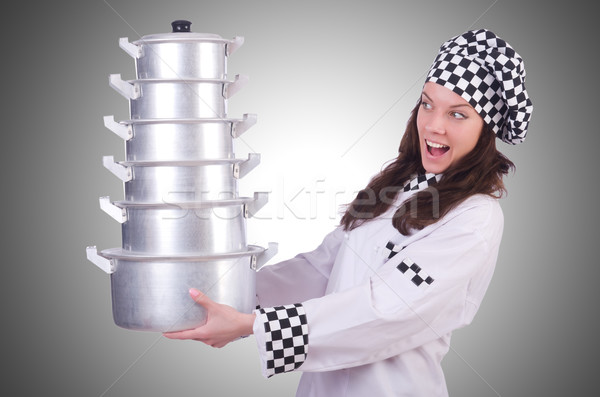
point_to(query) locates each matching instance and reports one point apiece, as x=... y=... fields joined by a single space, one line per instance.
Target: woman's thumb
x=199 y=297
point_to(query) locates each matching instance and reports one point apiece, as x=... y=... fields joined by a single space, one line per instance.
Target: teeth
x=436 y=145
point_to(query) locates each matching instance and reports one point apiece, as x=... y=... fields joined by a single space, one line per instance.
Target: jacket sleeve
x=300 y=278
x=426 y=290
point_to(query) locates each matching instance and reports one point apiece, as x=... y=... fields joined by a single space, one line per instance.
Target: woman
x=371 y=310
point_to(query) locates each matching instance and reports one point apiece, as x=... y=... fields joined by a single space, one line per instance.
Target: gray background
x=332 y=84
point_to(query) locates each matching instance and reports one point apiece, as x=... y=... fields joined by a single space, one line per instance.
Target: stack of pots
x=183 y=224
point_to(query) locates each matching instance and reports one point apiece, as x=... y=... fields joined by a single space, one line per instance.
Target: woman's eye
x=425 y=105
x=458 y=115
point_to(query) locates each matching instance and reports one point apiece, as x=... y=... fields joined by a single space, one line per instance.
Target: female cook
x=371 y=310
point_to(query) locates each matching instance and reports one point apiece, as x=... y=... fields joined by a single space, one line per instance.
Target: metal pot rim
x=181 y=121
x=181 y=163
x=186 y=204
x=120 y=253
x=180 y=81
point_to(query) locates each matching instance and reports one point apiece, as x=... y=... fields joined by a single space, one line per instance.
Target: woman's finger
x=195 y=333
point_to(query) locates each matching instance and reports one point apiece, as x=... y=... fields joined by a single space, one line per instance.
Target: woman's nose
x=435 y=124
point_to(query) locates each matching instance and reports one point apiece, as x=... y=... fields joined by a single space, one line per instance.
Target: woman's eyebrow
x=452 y=106
x=461 y=104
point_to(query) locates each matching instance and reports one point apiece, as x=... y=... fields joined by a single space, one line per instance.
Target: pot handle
x=259 y=260
x=242 y=169
x=103 y=263
x=132 y=49
x=117 y=213
x=251 y=208
x=234 y=45
x=120 y=171
x=124 y=132
x=128 y=90
x=239 y=127
x=232 y=88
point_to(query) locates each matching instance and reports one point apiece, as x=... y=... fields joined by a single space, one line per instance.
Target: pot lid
x=181 y=33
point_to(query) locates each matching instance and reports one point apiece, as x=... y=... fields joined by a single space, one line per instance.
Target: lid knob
x=181 y=26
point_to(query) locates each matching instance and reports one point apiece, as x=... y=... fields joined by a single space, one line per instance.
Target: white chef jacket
x=370 y=329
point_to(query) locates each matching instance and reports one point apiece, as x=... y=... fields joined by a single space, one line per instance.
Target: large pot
x=184 y=228
x=179 y=139
x=181 y=54
x=151 y=293
x=177 y=99
x=181 y=181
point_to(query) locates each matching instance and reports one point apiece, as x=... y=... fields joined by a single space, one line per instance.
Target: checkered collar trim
x=422 y=181
x=487 y=72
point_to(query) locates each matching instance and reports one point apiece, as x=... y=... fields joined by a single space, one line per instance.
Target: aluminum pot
x=181 y=54
x=184 y=228
x=181 y=181
x=174 y=182
x=179 y=139
x=151 y=293
x=177 y=99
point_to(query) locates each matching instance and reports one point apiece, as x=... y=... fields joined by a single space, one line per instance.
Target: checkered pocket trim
x=286 y=333
x=408 y=267
x=391 y=250
x=414 y=273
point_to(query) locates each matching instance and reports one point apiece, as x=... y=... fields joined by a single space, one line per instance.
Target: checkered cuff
x=286 y=337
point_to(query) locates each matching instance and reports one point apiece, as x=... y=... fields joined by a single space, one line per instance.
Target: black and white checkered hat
x=488 y=73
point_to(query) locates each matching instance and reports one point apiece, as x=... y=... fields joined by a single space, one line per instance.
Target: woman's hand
x=223 y=323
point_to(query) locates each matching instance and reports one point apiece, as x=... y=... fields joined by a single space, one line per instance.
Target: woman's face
x=449 y=127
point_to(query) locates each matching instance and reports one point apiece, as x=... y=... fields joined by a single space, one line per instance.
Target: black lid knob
x=181 y=26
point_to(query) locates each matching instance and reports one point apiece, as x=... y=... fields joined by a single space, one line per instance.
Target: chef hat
x=488 y=73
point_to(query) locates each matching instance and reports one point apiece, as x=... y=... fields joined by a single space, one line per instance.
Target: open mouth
x=436 y=149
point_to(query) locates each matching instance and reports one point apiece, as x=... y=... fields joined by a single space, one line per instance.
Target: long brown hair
x=478 y=172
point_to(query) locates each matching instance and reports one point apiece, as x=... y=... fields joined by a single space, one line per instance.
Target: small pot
x=163 y=182
x=151 y=293
x=184 y=228
x=181 y=54
x=167 y=230
x=177 y=99
x=179 y=139
x=181 y=181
